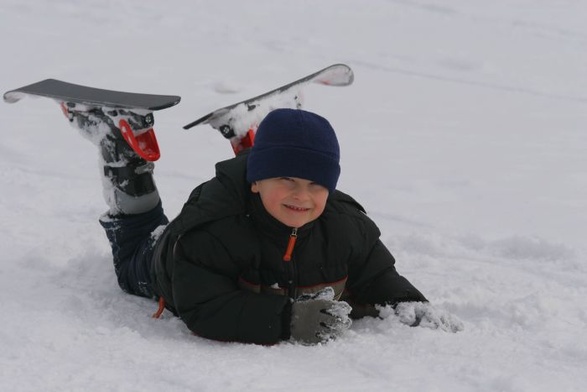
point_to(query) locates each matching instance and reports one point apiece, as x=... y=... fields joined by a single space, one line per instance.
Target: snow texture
x=424 y=314
x=464 y=137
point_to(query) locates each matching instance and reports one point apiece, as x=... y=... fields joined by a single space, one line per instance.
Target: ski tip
x=335 y=75
x=16 y=95
x=13 y=96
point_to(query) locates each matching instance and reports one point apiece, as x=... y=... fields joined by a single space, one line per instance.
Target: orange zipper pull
x=290 y=244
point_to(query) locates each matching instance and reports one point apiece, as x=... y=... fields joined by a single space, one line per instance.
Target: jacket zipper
x=291 y=243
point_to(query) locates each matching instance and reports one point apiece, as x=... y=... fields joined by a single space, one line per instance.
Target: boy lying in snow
x=267 y=250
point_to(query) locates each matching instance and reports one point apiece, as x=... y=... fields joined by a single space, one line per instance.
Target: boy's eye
x=315 y=185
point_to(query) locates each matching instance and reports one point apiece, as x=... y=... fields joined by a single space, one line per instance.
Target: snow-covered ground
x=464 y=136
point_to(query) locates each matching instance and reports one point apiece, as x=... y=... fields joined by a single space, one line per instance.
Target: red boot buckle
x=244 y=142
x=145 y=144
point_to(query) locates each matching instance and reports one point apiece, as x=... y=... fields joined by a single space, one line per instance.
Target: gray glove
x=423 y=314
x=317 y=318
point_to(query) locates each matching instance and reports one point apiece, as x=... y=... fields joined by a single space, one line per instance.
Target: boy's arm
x=376 y=281
x=211 y=304
x=389 y=288
x=373 y=280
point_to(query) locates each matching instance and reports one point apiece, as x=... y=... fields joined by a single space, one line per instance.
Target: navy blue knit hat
x=295 y=143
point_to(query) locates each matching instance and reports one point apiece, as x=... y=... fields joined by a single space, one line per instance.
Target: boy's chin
x=290 y=222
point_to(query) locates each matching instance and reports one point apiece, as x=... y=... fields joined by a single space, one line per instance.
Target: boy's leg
x=133 y=238
x=135 y=210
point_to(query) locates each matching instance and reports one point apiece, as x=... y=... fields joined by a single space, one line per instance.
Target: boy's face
x=292 y=201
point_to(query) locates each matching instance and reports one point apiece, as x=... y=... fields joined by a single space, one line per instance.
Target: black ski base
x=69 y=92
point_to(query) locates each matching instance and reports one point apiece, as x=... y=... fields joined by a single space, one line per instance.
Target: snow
x=463 y=136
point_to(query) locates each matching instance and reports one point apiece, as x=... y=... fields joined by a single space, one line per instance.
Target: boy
x=267 y=250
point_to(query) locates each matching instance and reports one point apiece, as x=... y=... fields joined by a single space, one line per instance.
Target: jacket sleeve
x=209 y=301
x=373 y=279
x=376 y=281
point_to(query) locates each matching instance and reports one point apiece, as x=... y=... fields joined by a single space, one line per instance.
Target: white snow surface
x=464 y=136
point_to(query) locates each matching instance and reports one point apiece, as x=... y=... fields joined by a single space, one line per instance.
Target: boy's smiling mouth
x=294 y=208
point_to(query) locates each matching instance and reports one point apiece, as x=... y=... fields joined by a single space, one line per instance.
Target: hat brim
x=293 y=162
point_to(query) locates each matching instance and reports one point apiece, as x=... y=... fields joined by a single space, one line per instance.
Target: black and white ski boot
x=127 y=150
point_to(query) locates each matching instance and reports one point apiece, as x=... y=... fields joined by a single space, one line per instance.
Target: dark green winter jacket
x=219 y=265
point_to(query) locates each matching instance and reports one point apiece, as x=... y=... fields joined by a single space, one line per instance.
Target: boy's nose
x=300 y=193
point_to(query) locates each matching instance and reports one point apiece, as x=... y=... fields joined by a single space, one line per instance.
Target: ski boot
x=127 y=148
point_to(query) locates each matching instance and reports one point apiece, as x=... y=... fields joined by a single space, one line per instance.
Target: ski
x=131 y=112
x=75 y=93
x=238 y=122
